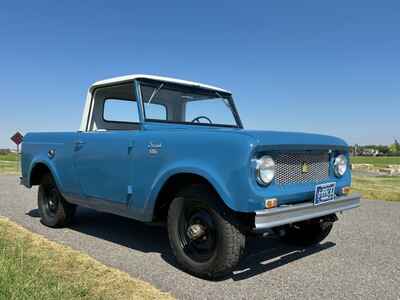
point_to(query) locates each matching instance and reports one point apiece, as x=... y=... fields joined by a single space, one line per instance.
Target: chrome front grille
x=301 y=167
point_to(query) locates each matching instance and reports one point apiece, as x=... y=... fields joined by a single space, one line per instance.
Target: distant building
x=363 y=151
x=370 y=152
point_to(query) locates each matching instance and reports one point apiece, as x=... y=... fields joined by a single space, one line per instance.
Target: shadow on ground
x=263 y=254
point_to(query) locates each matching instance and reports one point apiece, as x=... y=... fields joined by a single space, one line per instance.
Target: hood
x=261 y=138
x=295 y=140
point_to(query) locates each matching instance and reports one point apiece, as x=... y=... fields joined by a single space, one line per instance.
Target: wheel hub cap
x=196 y=231
x=51 y=204
x=52 y=201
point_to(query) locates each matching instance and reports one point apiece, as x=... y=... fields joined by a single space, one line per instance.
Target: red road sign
x=17 y=138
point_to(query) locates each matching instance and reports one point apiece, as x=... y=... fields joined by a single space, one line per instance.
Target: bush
x=5 y=151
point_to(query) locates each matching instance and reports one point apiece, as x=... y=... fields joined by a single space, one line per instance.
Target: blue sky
x=317 y=66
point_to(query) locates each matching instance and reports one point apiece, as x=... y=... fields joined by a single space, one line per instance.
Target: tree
x=395 y=147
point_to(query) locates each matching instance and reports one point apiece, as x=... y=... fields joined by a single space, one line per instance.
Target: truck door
x=102 y=163
x=103 y=154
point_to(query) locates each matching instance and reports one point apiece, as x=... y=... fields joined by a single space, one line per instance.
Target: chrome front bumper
x=287 y=214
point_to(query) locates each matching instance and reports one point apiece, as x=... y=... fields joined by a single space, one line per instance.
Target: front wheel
x=203 y=235
x=54 y=210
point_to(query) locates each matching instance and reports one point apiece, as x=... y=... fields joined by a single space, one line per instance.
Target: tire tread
x=234 y=241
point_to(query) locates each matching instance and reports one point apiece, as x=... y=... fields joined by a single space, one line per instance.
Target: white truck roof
x=122 y=79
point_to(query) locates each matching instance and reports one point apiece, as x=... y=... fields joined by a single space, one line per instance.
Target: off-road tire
x=61 y=213
x=229 y=242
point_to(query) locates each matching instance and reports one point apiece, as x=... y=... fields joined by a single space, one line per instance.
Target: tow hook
x=328 y=220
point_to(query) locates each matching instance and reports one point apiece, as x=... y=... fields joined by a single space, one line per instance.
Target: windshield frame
x=194 y=89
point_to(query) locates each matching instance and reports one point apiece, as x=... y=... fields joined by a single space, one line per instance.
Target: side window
x=155 y=111
x=120 y=110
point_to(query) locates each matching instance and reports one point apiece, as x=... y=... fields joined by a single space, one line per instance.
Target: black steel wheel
x=51 y=200
x=54 y=210
x=197 y=232
x=203 y=235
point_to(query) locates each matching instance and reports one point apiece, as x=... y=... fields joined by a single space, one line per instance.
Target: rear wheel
x=203 y=235
x=54 y=210
x=307 y=233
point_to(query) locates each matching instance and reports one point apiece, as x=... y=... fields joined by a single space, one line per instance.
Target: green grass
x=377 y=187
x=23 y=277
x=9 y=167
x=379 y=161
x=8 y=157
x=382 y=187
x=32 y=267
x=9 y=164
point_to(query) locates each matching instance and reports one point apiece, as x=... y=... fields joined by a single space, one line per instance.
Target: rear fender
x=49 y=164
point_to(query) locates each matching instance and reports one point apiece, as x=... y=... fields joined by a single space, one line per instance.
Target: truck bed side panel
x=35 y=150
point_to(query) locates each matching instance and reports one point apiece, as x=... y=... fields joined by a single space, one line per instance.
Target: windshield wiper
x=156 y=90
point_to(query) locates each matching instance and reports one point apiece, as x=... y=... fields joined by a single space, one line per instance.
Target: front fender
x=209 y=174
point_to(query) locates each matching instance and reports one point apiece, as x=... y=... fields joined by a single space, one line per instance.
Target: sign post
x=17 y=138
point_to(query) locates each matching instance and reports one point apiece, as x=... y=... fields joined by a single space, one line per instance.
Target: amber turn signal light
x=271 y=203
x=346 y=190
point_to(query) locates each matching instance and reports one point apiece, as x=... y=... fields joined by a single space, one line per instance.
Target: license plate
x=324 y=193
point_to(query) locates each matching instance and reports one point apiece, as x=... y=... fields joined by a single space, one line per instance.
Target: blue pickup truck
x=159 y=149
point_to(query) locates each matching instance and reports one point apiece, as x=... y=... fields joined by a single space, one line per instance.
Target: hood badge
x=305 y=168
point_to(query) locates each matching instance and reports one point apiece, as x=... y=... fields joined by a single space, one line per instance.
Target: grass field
x=32 y=267
x=377 y=161
x=8 y=157
x=382 y=187
x=9 y=164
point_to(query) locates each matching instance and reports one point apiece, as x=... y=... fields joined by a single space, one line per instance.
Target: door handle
x=154 y=148
x=78 y=145
x=154 y=145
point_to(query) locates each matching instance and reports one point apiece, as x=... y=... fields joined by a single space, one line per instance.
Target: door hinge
x=130 y=190
x=131 y=145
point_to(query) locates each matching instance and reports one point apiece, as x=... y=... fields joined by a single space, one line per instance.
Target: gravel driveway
x=360 y=259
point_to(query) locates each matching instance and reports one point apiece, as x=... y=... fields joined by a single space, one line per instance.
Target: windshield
x=172 y=103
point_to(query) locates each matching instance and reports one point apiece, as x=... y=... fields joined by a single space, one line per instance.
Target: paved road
x=359 y=260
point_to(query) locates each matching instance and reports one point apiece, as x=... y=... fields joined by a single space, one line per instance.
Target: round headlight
x=340 y=165
x=265 y=170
